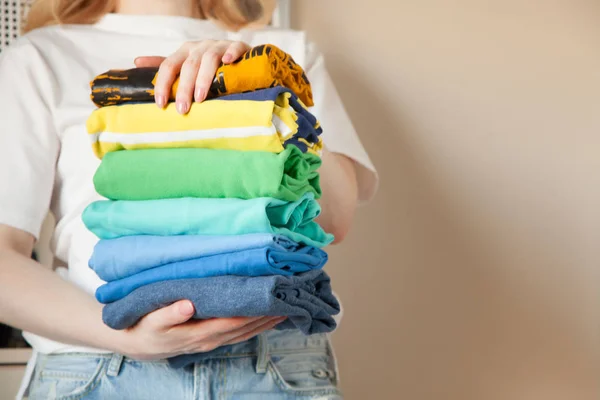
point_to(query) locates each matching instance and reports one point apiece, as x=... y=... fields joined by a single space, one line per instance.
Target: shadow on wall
x=430 y=314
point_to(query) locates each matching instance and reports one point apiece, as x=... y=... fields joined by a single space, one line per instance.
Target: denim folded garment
x=193 y=216
x=139 y=259
x=306 y=300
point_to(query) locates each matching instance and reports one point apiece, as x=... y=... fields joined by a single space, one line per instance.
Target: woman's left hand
x=196 y=64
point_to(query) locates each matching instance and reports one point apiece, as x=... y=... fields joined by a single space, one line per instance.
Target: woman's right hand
x=169 y=332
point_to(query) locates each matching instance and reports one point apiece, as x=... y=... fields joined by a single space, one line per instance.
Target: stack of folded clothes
x=216 y=206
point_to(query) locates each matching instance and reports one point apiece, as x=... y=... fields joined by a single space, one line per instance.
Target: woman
x=46 y=164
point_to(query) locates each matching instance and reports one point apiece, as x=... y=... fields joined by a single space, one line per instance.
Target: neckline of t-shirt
x=157 y=25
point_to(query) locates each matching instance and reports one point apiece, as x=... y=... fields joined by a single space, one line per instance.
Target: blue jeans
x=275 y=365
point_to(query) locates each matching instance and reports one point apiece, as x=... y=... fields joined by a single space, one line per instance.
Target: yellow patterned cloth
x=261 y=67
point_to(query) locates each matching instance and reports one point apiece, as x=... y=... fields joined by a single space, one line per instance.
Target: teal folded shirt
x=194 y=216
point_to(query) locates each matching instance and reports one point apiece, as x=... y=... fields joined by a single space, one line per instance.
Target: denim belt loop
x=262 y=353
x=114 y=366
x=336 y=368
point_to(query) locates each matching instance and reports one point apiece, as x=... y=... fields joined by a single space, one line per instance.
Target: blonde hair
x=233 y=14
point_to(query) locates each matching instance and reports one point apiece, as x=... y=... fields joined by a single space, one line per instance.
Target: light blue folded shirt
x=197 y=216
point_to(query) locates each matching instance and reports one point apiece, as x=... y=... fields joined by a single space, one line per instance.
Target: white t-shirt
x=46 y=161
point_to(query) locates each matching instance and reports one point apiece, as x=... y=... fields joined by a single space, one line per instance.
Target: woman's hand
x=169 y=332
x=38 y=300
x=196 y=64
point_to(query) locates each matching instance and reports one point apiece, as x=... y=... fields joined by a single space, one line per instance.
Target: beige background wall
x=475 y=272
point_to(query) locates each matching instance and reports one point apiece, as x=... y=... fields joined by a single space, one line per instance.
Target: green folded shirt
x=193 y=216
x=207 y=173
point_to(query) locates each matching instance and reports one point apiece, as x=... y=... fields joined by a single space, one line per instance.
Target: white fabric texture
x=46 y=161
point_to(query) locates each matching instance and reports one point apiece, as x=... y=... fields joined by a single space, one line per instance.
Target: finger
x=165 y=318
x=260 y=329
x=205 y=335
x=187 y=81
x=226 y=337
x=148 y=61
x=167 y=73
x=206 y=343
x=211 y=60
x=235 y=51
x=219 y=326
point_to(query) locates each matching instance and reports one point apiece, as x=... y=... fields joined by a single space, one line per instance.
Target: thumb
x=148 y=61
x=167 y=317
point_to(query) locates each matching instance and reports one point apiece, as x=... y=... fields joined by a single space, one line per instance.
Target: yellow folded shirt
x=217 y=124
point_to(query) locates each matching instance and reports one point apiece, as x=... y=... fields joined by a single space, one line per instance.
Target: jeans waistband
x=273 y=342
x=261 y=346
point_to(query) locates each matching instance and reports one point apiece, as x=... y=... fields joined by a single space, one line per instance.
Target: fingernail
x=227 y=58
x=161 y=101
x=182 y=107
x=186 y=308
x=200 y=94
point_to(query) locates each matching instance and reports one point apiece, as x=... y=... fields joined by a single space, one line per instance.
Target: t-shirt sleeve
x=29 y=144
x=339 y=135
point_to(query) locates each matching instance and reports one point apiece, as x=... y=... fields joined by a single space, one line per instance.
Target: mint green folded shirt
x=192 y=216
x=207 y=173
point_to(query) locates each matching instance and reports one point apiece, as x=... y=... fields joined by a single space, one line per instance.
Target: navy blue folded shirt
x=306 y=120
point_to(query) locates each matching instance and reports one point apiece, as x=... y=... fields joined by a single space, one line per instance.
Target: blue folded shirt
x=306 y=299
x=131 y=262
x=114 y=259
